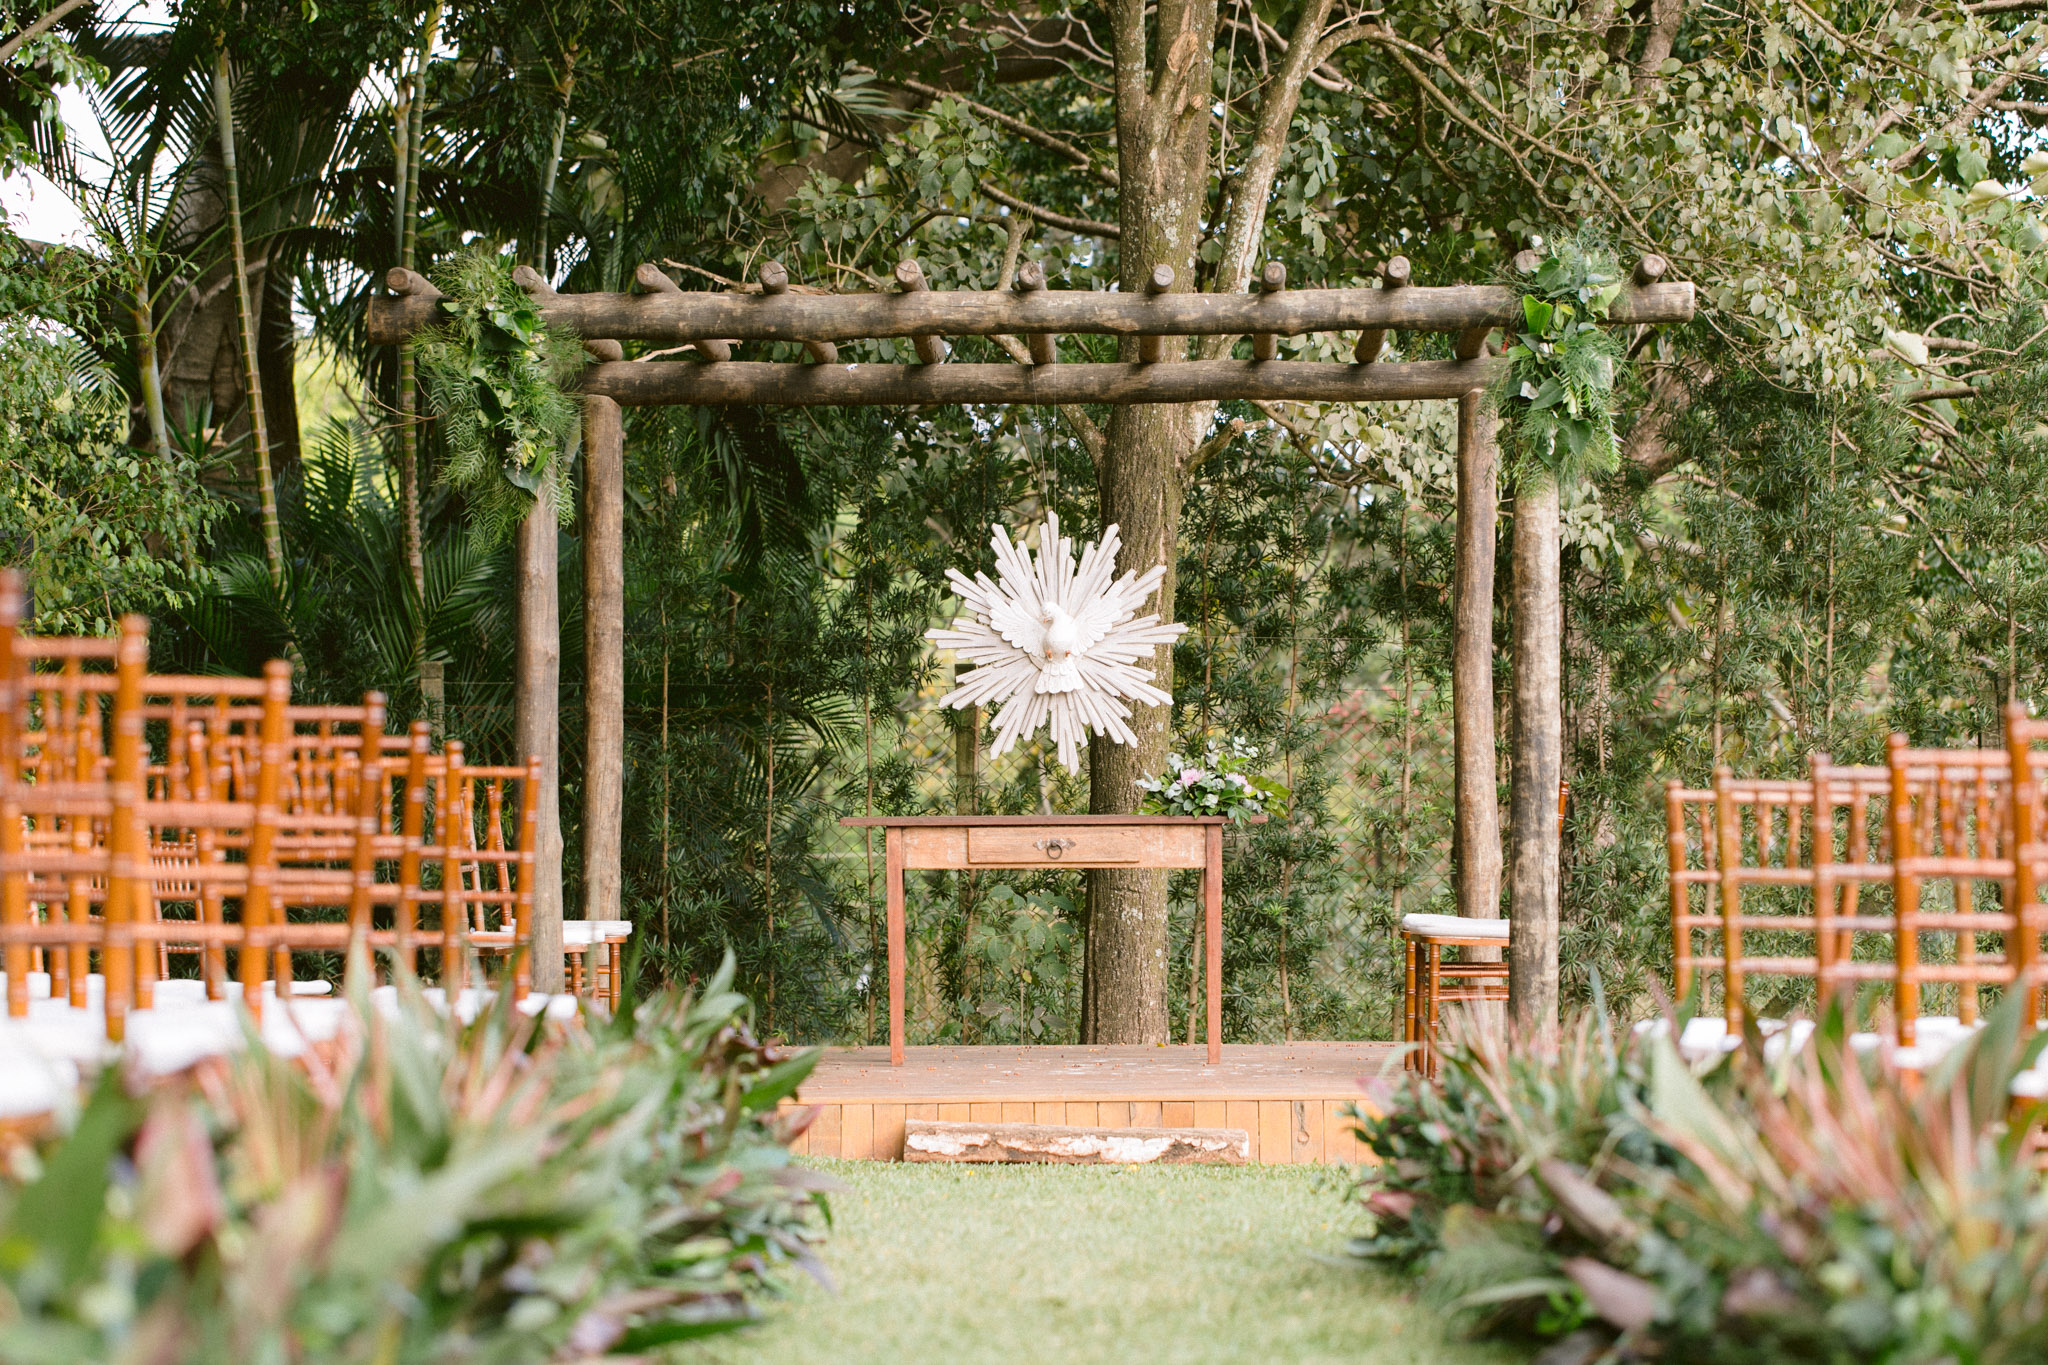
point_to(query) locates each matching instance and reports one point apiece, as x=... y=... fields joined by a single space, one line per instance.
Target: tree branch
x=1087 y=227
x=37 y=29
x=1976 y=105
x=1029 y=132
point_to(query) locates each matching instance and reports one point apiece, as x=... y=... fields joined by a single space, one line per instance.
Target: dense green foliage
x=1800 y=535
x=494 y=374
x=1779 y=1208
x=98 y=527
x=497 y=1192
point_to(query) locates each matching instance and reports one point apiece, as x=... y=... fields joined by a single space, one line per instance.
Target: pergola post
x=1477 y=776
x=604 y=655
x=1538 y=764
x=536 y=725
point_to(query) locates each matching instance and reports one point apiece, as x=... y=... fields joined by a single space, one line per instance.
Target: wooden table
x=969 y=843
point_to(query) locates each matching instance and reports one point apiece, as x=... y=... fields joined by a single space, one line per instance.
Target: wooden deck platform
x=1288 y=1097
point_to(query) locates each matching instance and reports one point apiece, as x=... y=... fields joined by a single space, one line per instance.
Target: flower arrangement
x=1219 y=785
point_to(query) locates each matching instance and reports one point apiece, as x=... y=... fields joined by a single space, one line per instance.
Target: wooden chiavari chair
x=1852 y=849
x=491 y=882
x=1743 y=832
x=1949 y=819
x=1692 y=851
x=69 y=832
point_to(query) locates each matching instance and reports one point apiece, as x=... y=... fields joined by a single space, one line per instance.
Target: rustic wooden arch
x=1030 y=317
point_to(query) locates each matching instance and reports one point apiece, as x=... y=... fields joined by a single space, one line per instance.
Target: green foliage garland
x=495 y=374
x=1559 y=394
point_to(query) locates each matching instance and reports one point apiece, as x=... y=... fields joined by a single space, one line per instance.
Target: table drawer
x=1074 y=845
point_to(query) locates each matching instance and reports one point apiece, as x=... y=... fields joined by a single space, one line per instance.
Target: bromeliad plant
x=1559 y=392
x=505 y=1192
x=1792 y=1208
x=1221 y=784
x=495 y=373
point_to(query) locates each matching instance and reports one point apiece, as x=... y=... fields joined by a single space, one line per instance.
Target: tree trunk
x=406 y=193
x=245 y=312
x=537 y=725
x=277 y=358
x=1477 y=774
x=1538 y=765
x=1127 y=909
x=604 y=655
x=1163 y=155
x=148 y=371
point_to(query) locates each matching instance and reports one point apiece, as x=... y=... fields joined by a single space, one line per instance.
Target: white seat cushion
x=1454 y=926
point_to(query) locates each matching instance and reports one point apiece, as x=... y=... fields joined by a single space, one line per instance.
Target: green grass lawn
x=1063 y=1264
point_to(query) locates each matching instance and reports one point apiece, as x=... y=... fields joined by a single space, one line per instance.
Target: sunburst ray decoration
x=1057 y=642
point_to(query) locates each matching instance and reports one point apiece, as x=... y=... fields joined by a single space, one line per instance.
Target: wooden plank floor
x=1288 y=1097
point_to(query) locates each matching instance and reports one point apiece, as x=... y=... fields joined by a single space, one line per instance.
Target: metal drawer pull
x=1054 y=848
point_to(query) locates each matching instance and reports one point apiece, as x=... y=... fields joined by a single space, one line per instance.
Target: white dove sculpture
x=1056 y=642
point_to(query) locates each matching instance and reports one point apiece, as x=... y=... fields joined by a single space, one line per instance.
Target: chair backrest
x=2025 y=736
x=1950 y=818
x=1693 y=853
x=54 y=774
x=1763 y=827
x=1851 y=846
x=493 y=875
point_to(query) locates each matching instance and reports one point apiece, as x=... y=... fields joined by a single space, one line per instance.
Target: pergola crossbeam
x=654 y=383
x=677 y=317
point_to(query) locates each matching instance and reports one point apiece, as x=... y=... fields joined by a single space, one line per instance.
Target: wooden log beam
x=678 y=317
x=937 y=1140
x=1044 y=346
x=1272 y=279
x=1393 y=275
x=1152 y=345
x=604 y=656
x=910 y=279
x=649 y=384
x=1476 y=785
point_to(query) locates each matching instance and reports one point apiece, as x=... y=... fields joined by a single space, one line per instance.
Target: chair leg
x=1430 y=1020
x=1413 y=1060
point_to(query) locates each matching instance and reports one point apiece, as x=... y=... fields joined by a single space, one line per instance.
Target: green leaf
x=779 y=1081
x=62 y=1212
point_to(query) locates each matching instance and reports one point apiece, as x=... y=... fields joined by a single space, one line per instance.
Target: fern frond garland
x=1558 y=399
x=495 y=374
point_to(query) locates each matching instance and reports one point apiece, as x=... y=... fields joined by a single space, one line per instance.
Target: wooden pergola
x=1153 y=325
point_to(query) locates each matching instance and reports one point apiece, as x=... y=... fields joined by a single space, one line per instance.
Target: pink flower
x=1190 y=776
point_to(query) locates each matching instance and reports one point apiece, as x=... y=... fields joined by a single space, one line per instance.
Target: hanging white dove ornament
x=1056 y=642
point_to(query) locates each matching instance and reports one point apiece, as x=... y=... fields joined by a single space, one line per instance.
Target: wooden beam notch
x=402 y=282
x=775 y=280
x=652 y=279
x=910 y=279
x=533 y=282
x=1393 y=275
x=1044 y=345
x=1272 y=279
x=1152 y=346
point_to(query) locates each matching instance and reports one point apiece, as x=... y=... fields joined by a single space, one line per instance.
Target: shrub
x=1798 y=1207
x=502 y=1192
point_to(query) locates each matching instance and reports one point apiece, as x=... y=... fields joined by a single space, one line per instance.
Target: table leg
x=1212 y=921
x=892 y=879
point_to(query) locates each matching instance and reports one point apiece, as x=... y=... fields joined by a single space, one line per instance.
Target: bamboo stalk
x=266 y=485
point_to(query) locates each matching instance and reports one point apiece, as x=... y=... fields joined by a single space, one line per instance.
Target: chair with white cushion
x=1432 y=982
